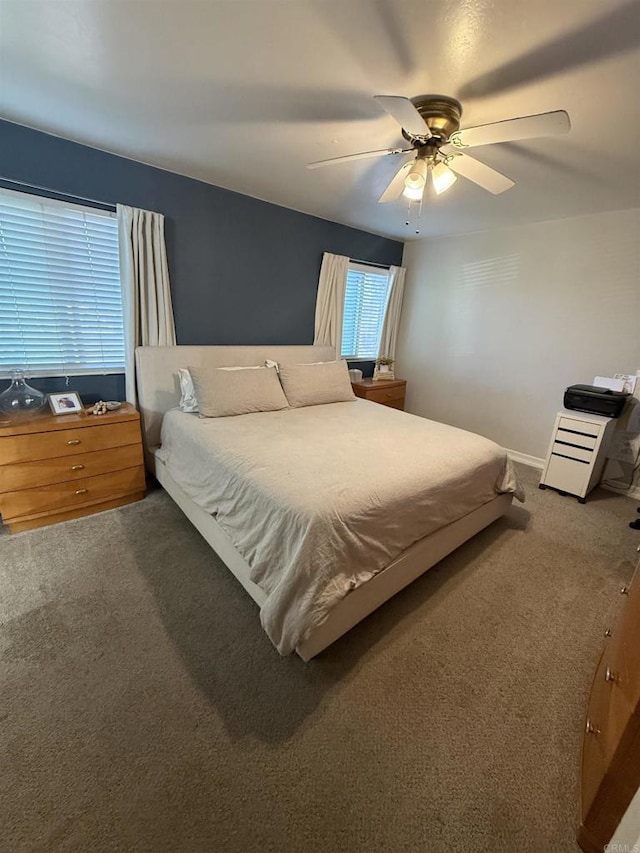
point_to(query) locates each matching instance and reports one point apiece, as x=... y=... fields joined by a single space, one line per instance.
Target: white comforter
x=319 y=499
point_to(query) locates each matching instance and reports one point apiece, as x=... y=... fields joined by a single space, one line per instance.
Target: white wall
x=496 y=324
x=627 y=835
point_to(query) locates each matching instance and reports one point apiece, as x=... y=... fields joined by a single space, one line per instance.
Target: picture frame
x=386 y=373
x=65 y=403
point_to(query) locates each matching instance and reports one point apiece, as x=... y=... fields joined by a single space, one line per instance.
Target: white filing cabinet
x=577 y=452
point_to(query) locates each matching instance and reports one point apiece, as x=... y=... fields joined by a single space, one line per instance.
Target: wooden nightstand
x=389 y=392
x=53 y=468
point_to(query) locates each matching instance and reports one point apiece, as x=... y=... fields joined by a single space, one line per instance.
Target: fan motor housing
x=441 y=114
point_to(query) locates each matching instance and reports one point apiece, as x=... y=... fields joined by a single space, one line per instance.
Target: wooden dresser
x=53 y=468
x=389 y=392
x=611 y=746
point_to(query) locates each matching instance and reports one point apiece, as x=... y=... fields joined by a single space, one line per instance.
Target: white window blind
x=365 y=303
x=60 y=296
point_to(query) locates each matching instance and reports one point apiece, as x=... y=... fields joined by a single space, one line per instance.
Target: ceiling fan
x=431 y=125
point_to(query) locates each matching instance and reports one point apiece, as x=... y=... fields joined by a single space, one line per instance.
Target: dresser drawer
x=67 y=442
x=62 y=496
x=625 y=644
x=386 y=395
x=593 y=760
x=609 y=705
x=43 y=472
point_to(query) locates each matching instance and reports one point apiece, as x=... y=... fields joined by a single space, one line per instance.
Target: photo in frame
x=65 y=403
x=389 y=373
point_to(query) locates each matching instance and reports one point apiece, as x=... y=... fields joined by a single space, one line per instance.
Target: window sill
x=44 y=374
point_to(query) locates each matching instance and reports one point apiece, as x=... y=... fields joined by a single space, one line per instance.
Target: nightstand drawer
x=62 y=496
x=44 y=472
x=386 y=395
x=67 y=442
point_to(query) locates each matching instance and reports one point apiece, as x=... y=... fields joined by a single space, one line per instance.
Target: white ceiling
x=243 y=93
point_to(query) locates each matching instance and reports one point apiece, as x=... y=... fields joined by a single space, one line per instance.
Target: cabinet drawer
x=386 y=395
x=43 y=472
x=61 y=496
x=567 y=475
x=580 y=453
x=577 y=439
x=579 y=427
x=67 y=442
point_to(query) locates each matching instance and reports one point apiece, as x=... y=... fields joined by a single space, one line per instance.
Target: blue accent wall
x=242 y=271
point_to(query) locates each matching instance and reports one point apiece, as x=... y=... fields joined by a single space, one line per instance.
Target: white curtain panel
x=146 y=295
x=330 y=301
x=389 y=336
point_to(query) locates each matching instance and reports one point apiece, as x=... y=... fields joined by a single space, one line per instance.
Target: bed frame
x=158 y=391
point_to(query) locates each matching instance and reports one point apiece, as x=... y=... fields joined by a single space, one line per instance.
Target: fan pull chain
x=419 y=215
x=411 y=209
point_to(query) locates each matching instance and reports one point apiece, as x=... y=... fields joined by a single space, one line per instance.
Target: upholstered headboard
x=157 y=375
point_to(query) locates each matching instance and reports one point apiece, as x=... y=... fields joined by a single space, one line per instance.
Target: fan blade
x=479 y=173
x=348 y=157
x=403 y=111
x=527 y=127
x=396 y=186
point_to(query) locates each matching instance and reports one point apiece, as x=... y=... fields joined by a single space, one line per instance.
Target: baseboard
x=525 y=459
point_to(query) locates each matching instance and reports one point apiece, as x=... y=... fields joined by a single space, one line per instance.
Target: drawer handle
x=73 y=441
x=81 y=491
x=591 y=729
x=610 y=675
x=624 y=590
x=607 y=633
x=77 y=467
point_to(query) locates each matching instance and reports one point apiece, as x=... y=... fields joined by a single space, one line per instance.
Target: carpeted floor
x=142 y=708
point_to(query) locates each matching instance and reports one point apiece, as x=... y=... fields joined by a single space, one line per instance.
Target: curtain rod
x=24 y=186
x=370 y=264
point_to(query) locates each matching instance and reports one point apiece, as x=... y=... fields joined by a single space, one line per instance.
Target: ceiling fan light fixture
x=413 y=194
x=417 y=177
x=443 y=178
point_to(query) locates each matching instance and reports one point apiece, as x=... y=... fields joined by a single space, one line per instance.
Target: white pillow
x=315 y=384
x=188 y=400
x=222 y=393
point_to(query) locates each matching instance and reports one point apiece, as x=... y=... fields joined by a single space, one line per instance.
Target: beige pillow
x=314 y=384
x=188 y=400
x=222 y=393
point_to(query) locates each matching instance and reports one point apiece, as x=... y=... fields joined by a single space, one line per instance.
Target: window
x=365 y=303
x=60 y=297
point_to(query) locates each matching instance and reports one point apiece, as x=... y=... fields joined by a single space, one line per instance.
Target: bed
x=321 y=512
